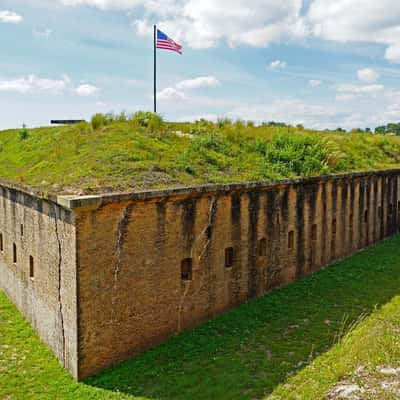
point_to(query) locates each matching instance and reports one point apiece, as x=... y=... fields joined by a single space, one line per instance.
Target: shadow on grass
x=246 y=353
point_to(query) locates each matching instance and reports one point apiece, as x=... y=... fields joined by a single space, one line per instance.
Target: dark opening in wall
x=31 y=267
x=398 y=207
x=14 y=253
x=1 y=242
x=262 y=247
x=186 y=269
x=22 y=230
x=334 y=227
x=380 y=214
x=229 y=257
x=366 y=216
x=390 y=209
x=291 y=240
x=314 y=233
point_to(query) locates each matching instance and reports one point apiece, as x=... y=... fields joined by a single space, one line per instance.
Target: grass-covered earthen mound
x=143 y=152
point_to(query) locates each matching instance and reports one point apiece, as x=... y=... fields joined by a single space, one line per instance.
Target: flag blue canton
x=161 y=35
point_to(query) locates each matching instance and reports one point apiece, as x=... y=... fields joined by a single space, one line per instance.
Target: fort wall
x=102 y=278
x=151 y=265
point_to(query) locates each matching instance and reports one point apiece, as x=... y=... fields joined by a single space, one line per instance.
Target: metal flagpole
x=155 y=69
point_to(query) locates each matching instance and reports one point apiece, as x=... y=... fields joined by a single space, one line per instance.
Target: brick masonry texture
x=137 y=268
x=44 y=233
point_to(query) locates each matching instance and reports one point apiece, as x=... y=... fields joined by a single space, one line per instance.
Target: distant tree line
x=393 y=129
x=389 y=129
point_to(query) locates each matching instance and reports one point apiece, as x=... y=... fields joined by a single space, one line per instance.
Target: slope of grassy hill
x=121 y=154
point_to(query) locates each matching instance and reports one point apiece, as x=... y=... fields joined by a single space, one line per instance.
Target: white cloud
x=42 y=34
x=203 y=24
x=178 y=91
x=200 y=82
x=345 y=97
x=393 y=53
x=104 y=4
x=278 y=64
x=358 y=21
x=314 y=82
x=10 y=17
x=367 y=75
x=33 y=83
x=170 y=94
x=392 y=113
x=293 y=111
x=359 y=89
x=86 y=90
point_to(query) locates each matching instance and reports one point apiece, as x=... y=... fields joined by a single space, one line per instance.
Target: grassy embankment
x=141 y=154
x=295 y=343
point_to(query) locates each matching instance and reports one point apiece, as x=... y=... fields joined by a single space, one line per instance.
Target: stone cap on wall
x=75 y=202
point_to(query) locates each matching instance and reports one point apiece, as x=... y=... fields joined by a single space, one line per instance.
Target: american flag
x=166 y=43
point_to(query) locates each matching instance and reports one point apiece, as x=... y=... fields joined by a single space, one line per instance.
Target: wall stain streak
x=60 y=300
x=121 y=237
x=253 y=279
x=300 y=219
x=236 y=273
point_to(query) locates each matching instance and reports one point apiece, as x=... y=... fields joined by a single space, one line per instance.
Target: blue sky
x=323 y=64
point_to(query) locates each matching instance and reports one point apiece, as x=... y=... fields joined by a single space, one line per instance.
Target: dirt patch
x=382 y=383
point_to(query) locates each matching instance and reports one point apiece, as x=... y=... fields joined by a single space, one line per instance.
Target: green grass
x=265 y=346
x=132 y=155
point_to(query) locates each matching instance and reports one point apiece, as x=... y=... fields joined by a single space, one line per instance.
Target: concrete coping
x=73 y=202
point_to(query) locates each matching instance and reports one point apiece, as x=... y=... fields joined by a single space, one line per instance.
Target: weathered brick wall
x=44 y=231
x=130 y=252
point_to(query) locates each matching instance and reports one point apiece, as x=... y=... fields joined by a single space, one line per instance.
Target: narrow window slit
x=229 y=257
x=291 y=240
x=186 y=269
x=31 y=267
x=14 y=253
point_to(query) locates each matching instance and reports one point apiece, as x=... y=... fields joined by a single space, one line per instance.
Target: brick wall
x=153 y=264
x=38 y=268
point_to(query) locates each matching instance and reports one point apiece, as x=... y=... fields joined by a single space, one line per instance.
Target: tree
x=380 y=129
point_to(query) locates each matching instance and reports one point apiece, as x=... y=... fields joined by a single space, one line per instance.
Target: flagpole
x=155 y=69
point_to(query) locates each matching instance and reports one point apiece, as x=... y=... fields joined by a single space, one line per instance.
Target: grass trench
x=293 y=343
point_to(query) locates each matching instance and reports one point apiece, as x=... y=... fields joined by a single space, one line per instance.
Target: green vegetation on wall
x=142 y=151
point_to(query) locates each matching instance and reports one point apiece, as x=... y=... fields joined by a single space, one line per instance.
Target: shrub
x=297 y=155
x=202 y=127
x=147 y=120
x=98 y=121
x=24 y=133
